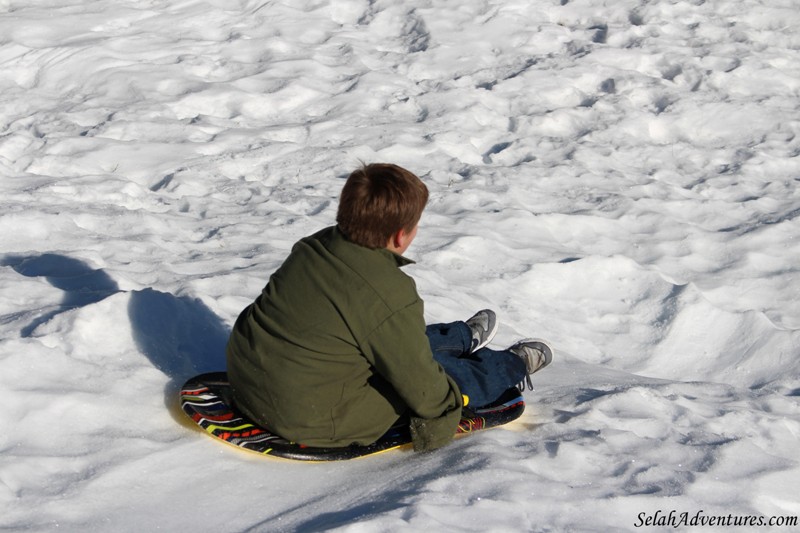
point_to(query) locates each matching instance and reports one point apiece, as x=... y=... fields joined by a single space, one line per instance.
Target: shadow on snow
x=180 y=335
x=81 y=285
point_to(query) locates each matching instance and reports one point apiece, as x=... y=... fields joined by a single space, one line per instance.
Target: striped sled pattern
x=206 y=399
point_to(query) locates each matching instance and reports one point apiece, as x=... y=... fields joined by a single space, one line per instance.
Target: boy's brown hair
x=377 y=201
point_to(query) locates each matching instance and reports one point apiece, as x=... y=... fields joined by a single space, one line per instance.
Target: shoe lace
x=531 y=368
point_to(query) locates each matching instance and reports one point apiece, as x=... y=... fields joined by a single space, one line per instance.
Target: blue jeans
x=483 y=375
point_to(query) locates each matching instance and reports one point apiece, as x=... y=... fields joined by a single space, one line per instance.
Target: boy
x=335 y=349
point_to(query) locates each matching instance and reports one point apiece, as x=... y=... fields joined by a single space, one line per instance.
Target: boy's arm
x=400 y=352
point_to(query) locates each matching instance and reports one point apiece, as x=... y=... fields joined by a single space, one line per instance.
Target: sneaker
x=483 y=326
x=536 y=355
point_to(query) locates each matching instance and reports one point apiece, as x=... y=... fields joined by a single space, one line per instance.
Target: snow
x=620 y=178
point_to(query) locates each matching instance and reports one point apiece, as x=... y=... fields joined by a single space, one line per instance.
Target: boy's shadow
x=81 y=285
x=180 y=335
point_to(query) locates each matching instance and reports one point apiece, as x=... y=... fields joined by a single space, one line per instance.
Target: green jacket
x=334 y=350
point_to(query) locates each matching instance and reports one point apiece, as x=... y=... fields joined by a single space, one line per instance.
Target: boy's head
x=377 y=201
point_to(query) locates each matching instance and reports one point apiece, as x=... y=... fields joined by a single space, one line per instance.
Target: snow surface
x=620 y=177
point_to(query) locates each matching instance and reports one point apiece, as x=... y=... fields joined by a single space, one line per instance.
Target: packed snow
x=618 y=177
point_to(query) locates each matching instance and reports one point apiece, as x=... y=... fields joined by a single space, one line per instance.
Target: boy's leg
x=449 y=340
x=483 y=375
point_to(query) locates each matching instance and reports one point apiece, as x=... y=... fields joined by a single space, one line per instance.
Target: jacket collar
x=399 y=259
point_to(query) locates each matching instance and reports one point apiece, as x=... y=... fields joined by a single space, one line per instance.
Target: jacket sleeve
x=400 y=352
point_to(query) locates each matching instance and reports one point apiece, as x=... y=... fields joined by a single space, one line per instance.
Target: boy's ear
x=399 y=238
x=396 y=240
